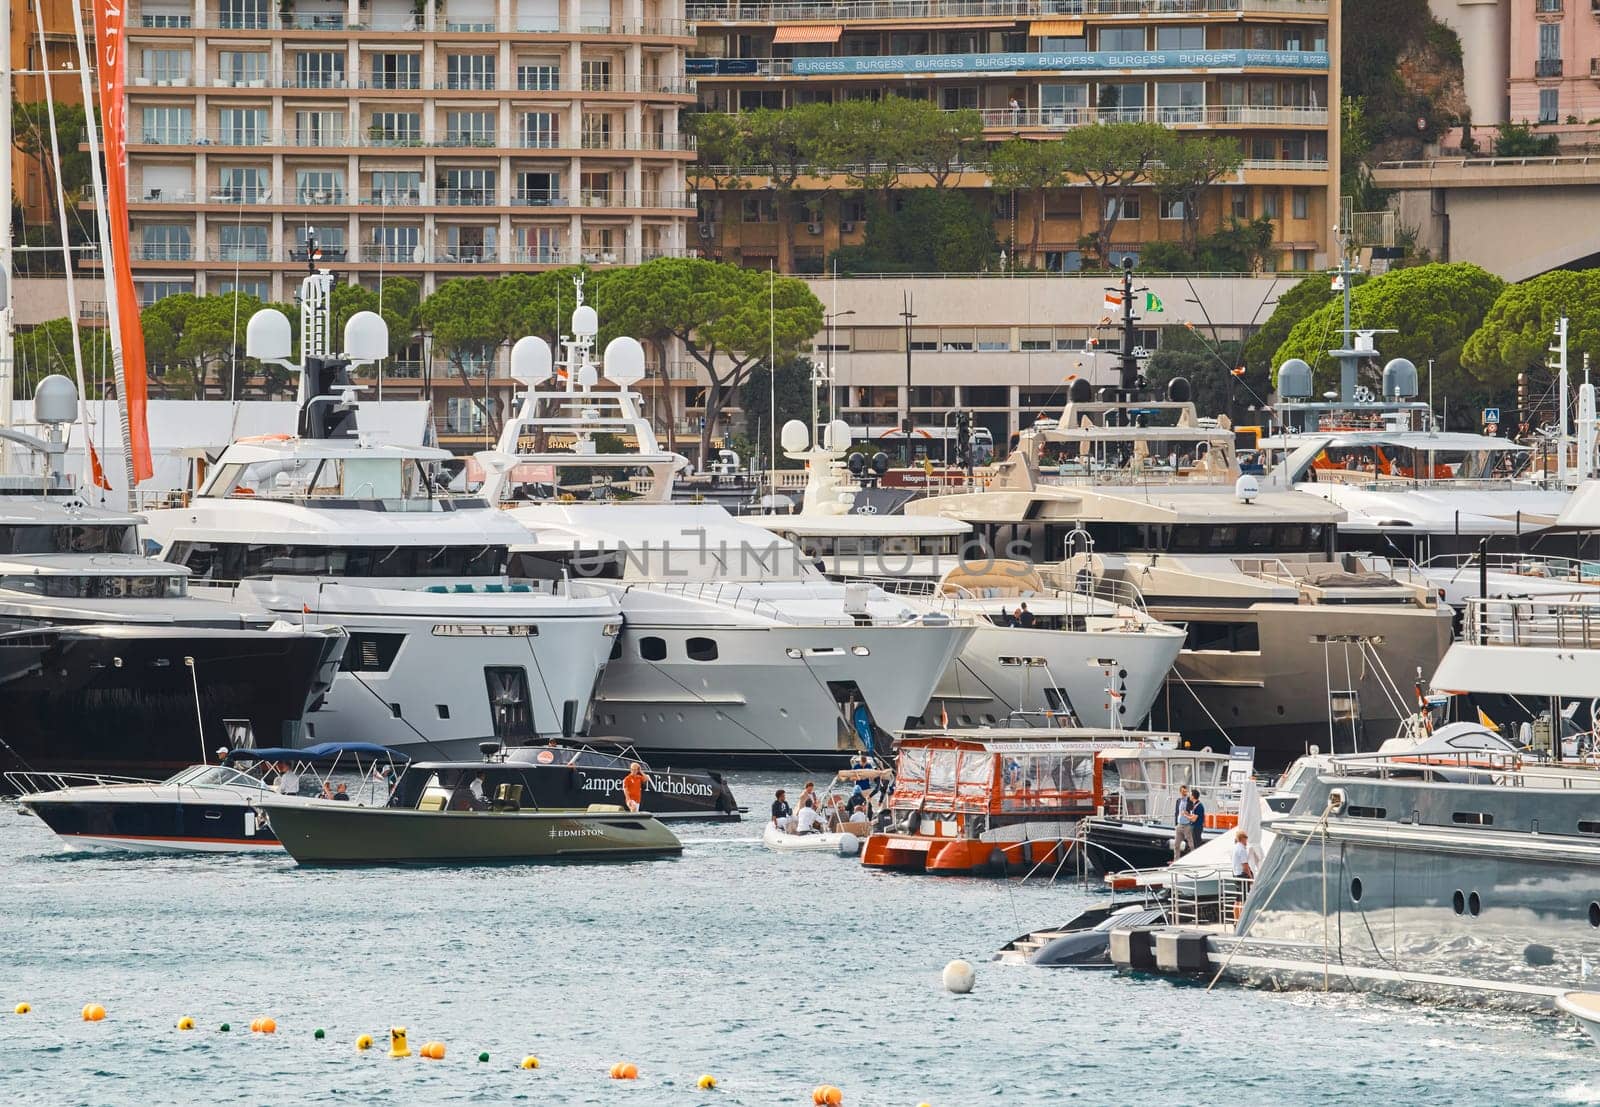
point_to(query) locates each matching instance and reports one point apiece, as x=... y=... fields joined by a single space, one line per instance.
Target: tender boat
x=1139 y=834
x=847 y=843
x=563 y=775
x=444 y=829
x=203 y=809
x=992 y=801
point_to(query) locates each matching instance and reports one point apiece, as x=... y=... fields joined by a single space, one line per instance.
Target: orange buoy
x=624 y=1070
x=827 y=1094
x=433 y=1051
x=264 y=1025
x=93 y=1012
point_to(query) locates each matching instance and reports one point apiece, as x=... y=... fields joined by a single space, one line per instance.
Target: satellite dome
x=55 y=400
x=1178 y=390
x=794 y=437
x=1399 y=379
x=1294 y=379
x=1081 y=391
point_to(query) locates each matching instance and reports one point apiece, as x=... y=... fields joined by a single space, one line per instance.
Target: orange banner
x=111 y=47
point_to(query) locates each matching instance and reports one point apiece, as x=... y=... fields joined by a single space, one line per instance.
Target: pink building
x=1554 y=61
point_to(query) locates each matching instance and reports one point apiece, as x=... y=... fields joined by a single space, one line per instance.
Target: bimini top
x=321 y=752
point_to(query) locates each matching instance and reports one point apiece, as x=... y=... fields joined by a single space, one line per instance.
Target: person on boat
x=862 y=760
x=810 y=820
x=327 y=789
x=1024 y=616
x=808 y=794
x=475 y=797
x=834 y=813
x=633 y=786
x=342 y=792
x=1197 y=819
x=288 y=782
x=781 y=812
x=1242 y=868
x=1180 y=823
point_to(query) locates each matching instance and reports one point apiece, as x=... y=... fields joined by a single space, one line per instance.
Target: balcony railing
x=391 y=80
x=807 y=10
x=480 y=82
x=1188 y=115
x=538 y=198
x=393 y=198
x=618 y=83
x=320 y=196
x=165 y=251
x=517 y=255
x=466 y=197
x=438 y=22
x=1547 y=67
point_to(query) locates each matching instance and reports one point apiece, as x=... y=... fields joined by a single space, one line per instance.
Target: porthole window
x=1594 y=915
x=1474 y=905
x=1459 y=902
x=1355 y=890
x=653 y=649
x=702 y=649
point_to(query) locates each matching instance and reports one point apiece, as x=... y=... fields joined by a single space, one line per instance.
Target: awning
x=1056 y=28
x=809 y=32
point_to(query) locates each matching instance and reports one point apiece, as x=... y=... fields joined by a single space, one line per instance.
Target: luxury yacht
x=332 y=525
x=1090 y=653
x=107 y=664
x=735 y=647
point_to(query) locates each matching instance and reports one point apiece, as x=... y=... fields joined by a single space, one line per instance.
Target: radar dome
x=1399 y=379
x=366 y=336
x=838 y=436
x=56 y=400
x=1294 y=380
x=531 y=360
x=267 y=336
x=585 y=322
x=624 y=361
x=1081 y=391
x=1178 y=390
x=793 y=437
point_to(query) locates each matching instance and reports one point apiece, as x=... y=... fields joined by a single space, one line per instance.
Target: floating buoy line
x=398 y=1039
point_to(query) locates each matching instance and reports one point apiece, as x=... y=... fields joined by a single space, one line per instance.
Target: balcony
x=393 y=198
x=391 y=81
x=320 y=197
x=164 y=251
x=848 y=10
x=325 y=252
x=480 y=82
x=1547 y=7
x=1214 y=115
x=436 y=21
x=538 y=198
x=1547 y=67
x=465 y=197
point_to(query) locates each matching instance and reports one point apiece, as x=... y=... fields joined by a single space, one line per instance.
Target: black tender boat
x=574 y=776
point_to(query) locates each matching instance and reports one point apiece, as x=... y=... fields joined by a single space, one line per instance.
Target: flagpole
x=108 y=263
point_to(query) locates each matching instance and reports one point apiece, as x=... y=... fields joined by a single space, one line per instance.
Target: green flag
x=1152 y=302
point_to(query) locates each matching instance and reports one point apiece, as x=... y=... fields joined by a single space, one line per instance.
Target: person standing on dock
x=1242 y=868
x=1197 y=819
x=1180 y=823
x=633 y=786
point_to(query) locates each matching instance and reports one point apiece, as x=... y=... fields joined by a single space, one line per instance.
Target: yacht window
x=1232 y=637
x=1472 y=818
x=1355 y=890
x=383 y=479
x=702 y=649
x=95 y=587
x=1588 y=826
x=55 y=538
x=238 y=560
x=1356 y=812
x=368 y=652
x=653 y=649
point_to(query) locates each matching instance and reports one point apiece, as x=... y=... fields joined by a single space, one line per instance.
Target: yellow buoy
x=93 y=1012
x=397 y=1042
x=706 y=1082
x=22 y=1008
x=186 y=1023
x=530 y=1062
x=364 y=1042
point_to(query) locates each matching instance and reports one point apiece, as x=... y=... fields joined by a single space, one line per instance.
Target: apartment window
x=595 y=15
x=241 y=185
x=469 y=128
x=249 y=286
x=330 y=240
x=538 y=189
x=754 y=99
x=538 y=15
x=539 y=245
x=594 y=188
x=1124 y=102
x=395 y=128
x=151 y=291
x=1549 y=105
x=1269 y=204
x=1062 y=104
x=319 y=69
x=1171 y=209
x=165 y=67
x=759 y=208
x=319 y=128
x=1549 y=42
x=596 y=131
x=1300 y=204
x=1300 y=260
x=242 y=242
x=470 y=244
x=1120 y=38
x=242 y=126
x=962 y=96
x=908 y=42
x=395 y=244
x=539 y=77
x=1180 y=102
x=319 y=186
x=241 y=69
x=168 y=126
x=168 y=242
x=597 y=76
x=539 y=130
x=1180 y=38
x=243 y=15
x=1058 y=44
x=396 y=186
x=1123 y=207
x=467 y=187
x=469 y=71
x=463 y=415
x=396 y=71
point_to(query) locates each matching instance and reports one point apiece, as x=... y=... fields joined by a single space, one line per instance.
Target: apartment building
x=415 y=138
x=1259 y=70
x=1554 y=62
x=30 y=58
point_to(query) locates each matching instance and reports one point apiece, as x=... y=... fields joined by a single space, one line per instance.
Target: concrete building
x=1259 y=70
x=1484 y=28
x=459 y=137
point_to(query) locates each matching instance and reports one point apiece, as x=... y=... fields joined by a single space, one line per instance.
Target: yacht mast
x=7 y=343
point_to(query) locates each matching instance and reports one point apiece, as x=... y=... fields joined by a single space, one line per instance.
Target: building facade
x=429 y=140
x=1554 y=62
x=1258 y=70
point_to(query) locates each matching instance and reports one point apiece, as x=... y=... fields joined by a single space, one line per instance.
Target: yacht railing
x=1066 y=581
x=34 y=781
x=1533 y=623
x=726 y=594
x=1562 y=570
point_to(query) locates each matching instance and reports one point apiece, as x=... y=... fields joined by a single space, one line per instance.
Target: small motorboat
x=202 y=809
x=1583 y=1006
x=450 y=825
x=845 y=843
x=567 y=775
x=1139 y=834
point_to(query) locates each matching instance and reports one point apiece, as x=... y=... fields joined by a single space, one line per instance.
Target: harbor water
x=774 y=972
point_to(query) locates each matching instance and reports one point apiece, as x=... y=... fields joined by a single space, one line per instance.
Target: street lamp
x=828 y=379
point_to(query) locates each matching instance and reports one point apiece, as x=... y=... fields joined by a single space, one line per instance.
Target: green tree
x=1034 y=168
x=934 y=231
x=187 y=338
x=1433 y=309
x=722 y=152
x=1517 y=140
x=791 y=389
x=397 y=300
x=1519 y=329
x=943 y=143
x=784 y=146
x=1188 y=166
x=30 y=134
x=1299 y=301
x=1208 y=366
x=1111 y=158
x=47 y=348
x=466 y=329
x=721 y=315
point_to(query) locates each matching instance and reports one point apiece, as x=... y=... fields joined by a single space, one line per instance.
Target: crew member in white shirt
x=1241 y=856
x=810 y=820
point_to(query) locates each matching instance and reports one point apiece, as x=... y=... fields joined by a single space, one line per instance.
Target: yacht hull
x=1277 y=697
x=776 y=694
x=168 y=820
x=106 y=699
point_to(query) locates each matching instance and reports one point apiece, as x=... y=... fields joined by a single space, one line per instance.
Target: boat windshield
x=96 y=587
x=55 y=538
x=196 y=776
x=391 y=480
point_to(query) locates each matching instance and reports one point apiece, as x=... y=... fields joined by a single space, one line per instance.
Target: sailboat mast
x=7 y=343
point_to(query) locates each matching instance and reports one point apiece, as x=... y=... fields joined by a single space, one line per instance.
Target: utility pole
x=905 y=421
